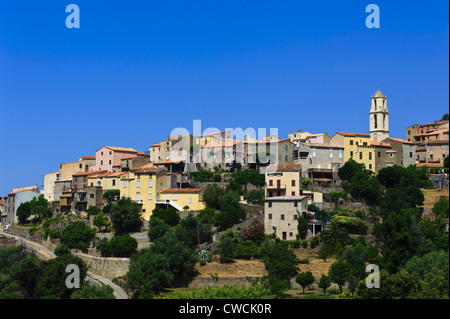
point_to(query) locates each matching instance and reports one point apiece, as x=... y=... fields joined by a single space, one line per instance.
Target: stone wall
x=349 y=205
x=106 y=267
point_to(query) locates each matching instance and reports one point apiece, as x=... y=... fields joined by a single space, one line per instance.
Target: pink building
x=109 y=156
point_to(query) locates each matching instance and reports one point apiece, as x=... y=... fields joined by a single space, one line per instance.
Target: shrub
x=246 y=251
x=253 y=232
x=304 y=244
x=354 y=225
x=314 y=242
x=75 y=233
x=123 y=246
x=295 y=244
x=204 y=255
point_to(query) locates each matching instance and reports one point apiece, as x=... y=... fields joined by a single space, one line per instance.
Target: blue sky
x=135 y=70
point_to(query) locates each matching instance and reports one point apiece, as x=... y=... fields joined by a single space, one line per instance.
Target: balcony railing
x=276 y=186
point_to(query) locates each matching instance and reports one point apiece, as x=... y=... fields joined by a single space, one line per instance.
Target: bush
x=246 y=251
x=61 y=250
x=76 y=233
x=354 y=225
x=123 y=246
x=304 y=244
x=314 y=242
x=295 y=244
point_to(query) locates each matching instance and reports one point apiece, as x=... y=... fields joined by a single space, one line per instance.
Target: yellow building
x=357 y=146
x=183 y=197
x=283 y=180
x=147 y=186
x=84 y=164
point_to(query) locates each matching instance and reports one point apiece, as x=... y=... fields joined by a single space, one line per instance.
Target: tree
x=325 y=251
x=52 y=282
x=111 y=195
x=302 y=226
x=23 y=212
x=126 y=216
x=398 y=236
x=231 y=211
x=37 y=207
x=212 y=195
x=445 y=117
x=93 y=292
x=226 y=247
x=75 y=234
x=169 y=215
x=305 y=279
x=157 y=228
x=446 y=164
x=419 y=266
x=280 y=262
x=123 y=246
x=340 y=273
x=255 y=196
x=100 y=220
x=324 y=283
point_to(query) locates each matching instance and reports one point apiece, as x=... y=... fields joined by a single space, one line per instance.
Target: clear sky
x=135 y=70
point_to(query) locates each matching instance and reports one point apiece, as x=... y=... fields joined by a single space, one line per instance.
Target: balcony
x=276 y=186
x=139 y=201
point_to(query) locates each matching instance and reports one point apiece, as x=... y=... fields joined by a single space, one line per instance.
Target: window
x=190 y=200
x=351 y=153
x=282 y=216
x=92 y=184
x=370 y=156
x=174 y=196
x=391 y=155
x=164 y=197
x=271 y=182
x=360 y=155
x=102 y=153
x=314 y=154
x=99 y=183
x=270 y=216
x=138 y=184
x=150 y=196
x=295 y=215
x=293 y=193
x=270 y=204
x=81 y=165
x=293 y=182
x=101 y=162
x=286 y=158
x=331 y=154
x=124 y=184
x=379 y=154
x=110 y=152
x=351 y=142
x=109 y=162
x=113 y=182
x=138 y=196
x=286 y=147
x=370 y=166
x=410 y=154
x=340 y=154
x=150 y=184
x=295 y=205
x=91 y=196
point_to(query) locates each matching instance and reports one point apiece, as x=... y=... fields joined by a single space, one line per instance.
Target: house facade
x=283 y=180
x=357 y=146
x=15 y=199
x=108 y=157
x=281 y=215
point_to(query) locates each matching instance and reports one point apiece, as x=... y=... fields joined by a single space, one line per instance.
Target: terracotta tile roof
x=87 y=157
x=89 y=173
x=430 y=164
x=120 y=149
x=167 y=162
x=23 y=190
x=156 y=144
x=353 y=134
x=131 y=157
x=221 y=144
x=325 y=145
x=182 y=190
x=149 y=169
x=379 y=144
x=391 y=151
x=283 y=168
x=2 y=202
x=399 y=140
x=52 y=173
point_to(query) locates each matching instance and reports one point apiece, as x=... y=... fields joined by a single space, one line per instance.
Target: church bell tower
x=379 y=118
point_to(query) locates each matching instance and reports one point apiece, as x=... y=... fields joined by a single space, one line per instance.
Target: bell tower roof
x=378 y=94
